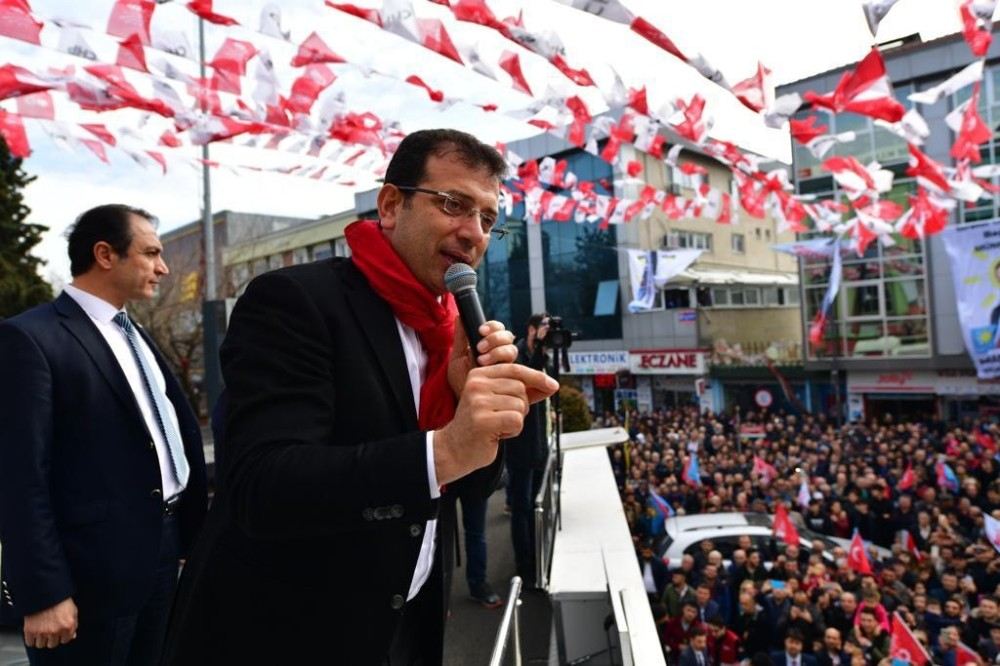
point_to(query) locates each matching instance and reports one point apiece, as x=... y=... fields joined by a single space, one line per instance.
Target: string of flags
x=139 y=62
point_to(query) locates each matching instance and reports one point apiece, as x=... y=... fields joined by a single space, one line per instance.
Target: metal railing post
x=510 y=619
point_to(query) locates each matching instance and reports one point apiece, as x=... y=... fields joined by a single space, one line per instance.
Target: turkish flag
x=783 y=527
x=857 y=557
x=965 y=655
x=904 y=646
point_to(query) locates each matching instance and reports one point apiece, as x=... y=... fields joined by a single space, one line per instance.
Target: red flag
x=783 y=527
x=655 y=36
x=923 y=218
x=972 y=132
x=510 y=62
x=12 y=130
x=370 y=15
x=693 y=127
x=637 y=100
x=314 y=51
x=857 y=557
x=633 y=168
x=806 y=130
x=965 y=655
x=36 y=105
x=306 y=89
x=16 y=21
x=908 y=480
x=435 y=95
x=101 y=132
x=203 y=8
x=580 y=77
x=867 y=91
x=752 y=92
x=230 y=64
x=904 y=645
x=97 y=148
x=434 y=36
x=923 y=167
x=16 y=81
x=131 y=54
x=131 y=17
x=975 y=30
x=910 y=544
x=475 y=11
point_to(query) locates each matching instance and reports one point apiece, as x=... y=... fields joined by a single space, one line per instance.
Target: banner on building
x=974 y=252
x=651 y=270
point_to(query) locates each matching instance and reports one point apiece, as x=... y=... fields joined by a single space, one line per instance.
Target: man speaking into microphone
x=357 y=414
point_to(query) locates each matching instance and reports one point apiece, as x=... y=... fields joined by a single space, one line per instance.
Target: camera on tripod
x=557 y=336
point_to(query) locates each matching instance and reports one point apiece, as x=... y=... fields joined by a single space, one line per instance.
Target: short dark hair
x=108 y=223
x=408 y=166
x=535 y=320
x=795 y=635
x=868 y=610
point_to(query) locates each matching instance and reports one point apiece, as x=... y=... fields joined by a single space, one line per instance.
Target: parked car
x=684 y=535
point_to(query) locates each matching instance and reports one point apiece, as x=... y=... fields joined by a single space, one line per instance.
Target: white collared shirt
x=416 y=367
x=102 y=314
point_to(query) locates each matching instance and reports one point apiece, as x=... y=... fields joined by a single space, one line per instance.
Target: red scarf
x=417 y=307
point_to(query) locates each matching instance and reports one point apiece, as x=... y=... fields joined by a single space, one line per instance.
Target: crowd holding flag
x=857 y=555
x=904 y=646
x=783 y=527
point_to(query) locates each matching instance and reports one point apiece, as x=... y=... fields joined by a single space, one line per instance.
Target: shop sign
x=668 y=362
x=936 y=382
x=597 y=362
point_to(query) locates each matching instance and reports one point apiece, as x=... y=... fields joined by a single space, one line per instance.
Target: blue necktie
x=159 y=400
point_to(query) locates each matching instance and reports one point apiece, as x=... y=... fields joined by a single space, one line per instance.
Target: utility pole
x=213 y=312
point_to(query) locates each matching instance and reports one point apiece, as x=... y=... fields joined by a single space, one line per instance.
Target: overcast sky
x=794 y=38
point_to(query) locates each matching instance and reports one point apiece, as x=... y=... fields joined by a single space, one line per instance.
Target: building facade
x=893 y=340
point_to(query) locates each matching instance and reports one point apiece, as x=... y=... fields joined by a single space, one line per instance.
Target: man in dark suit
x=792 y=655
x=526 y=456
x=355 y=419
x=696 y=652
x=102 y=474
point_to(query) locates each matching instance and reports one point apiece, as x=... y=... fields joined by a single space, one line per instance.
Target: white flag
x=992 y=528
x=965 y=77
x=640 y=271
x=671 y=263
x=613 y=10
x=875 y=11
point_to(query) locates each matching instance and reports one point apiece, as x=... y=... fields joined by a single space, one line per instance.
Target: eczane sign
x=668 y=362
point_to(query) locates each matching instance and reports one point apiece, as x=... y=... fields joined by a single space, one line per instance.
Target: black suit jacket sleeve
x=294 y=468
x=36 y=564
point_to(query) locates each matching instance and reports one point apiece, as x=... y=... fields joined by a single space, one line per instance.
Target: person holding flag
x=857 y=556
x=691 y=474
x=904 y=646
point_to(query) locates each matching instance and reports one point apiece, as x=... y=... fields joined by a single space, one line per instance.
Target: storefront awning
x=711 y=277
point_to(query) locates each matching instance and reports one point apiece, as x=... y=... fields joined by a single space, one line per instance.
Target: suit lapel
x=377 y=324
x=76 y=321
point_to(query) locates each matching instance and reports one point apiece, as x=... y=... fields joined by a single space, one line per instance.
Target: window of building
x=738 y=242
x=772 y=295
x=720 y=296
x=676 y=239
x=341 y=248
x=300 y=255
x=321 y=251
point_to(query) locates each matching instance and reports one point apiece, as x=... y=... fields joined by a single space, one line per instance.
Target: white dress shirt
x=102 y=314
x=416 y=367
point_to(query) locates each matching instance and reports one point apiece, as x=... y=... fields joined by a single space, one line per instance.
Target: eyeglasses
x=453 y=206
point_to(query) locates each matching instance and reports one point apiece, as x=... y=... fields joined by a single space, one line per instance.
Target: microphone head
x=460 y=277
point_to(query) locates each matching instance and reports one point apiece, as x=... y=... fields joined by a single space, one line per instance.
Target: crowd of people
x=919 y=492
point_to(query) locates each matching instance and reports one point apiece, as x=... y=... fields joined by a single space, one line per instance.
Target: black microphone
x=461 y=281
